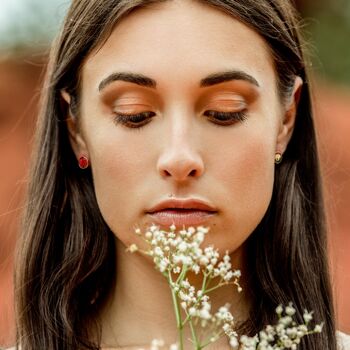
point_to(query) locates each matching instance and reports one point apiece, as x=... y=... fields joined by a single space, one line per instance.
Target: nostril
x=192 y=173
x=180 y=166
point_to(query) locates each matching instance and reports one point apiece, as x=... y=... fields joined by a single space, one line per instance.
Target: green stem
x=182 y=274
x=204 y=282
x=194 y=336
x=218 y=286
x=207 y=341
x=179 y=324
x=211 y=289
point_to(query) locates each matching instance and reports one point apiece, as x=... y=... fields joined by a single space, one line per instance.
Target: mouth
x=181 y=212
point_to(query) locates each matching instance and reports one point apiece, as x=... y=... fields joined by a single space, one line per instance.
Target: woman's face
x=180 y=145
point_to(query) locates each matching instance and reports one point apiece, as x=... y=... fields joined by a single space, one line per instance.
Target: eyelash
x=141 y=119
x=227 y=118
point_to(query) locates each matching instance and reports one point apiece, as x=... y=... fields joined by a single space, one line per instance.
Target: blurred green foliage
x=29 y=25
x=329 y=26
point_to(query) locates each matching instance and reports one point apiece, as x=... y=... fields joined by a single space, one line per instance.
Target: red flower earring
x=83 y=162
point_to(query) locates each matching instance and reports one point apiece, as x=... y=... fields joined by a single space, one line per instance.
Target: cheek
x=252 y=172
x=245 y=178
x=119 y=167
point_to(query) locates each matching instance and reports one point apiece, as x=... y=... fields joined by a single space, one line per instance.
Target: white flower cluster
x=286 y=334
x=177 y=253
x=174 y=253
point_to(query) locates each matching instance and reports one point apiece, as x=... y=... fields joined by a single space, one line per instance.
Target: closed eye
x=133 y=120
x=140 y=119
x=226 y=118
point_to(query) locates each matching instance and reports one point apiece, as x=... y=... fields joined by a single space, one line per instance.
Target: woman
x=176 y=112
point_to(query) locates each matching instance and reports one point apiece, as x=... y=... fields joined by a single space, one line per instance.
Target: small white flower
x=318 y=328
x=237 y=273
x=177 y=269
x=199 y=237
x=290 y=311
x=210 y=267
x=154 y=228
x=279 y=310
x=196 y=269
x=307 y=316
x=158 y=251
x=234 y=342
x=182 y=246
x=204 y=314
x=192 y=311
x=148 y=235
x=163 y=265
x=133 y=248
x=186 y=284
x=191 y=230
x=203 y=260
x=226 y=327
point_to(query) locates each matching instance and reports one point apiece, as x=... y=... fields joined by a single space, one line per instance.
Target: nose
x=179 y=160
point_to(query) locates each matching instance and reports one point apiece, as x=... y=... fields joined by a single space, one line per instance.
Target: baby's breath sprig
x=286 y=334
x=175 y=254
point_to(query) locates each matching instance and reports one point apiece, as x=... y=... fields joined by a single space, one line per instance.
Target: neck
x=141 y=309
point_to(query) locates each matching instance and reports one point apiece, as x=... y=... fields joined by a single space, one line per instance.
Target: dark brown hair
x=67 y=255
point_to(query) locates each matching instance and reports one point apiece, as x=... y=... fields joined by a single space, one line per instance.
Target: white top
x=342 y=338
x=343 y=341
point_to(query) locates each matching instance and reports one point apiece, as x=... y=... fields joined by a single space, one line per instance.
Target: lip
x=181 y=212
x=189 y=203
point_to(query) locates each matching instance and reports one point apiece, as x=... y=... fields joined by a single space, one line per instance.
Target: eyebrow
x=221 y=77
x=135 y=78
x=210 y=80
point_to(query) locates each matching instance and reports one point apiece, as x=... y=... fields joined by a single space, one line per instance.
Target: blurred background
x=327 y=28
x=27 y=28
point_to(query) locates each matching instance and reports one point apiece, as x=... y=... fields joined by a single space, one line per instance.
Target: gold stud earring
x=278 y=158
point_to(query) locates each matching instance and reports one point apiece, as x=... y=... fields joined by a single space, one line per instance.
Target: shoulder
x=343 y=341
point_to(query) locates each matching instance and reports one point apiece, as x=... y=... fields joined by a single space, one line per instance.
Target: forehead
x=173 y=41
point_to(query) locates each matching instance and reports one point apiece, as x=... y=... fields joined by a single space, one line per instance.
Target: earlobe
x=75 y=137
x=288 y=121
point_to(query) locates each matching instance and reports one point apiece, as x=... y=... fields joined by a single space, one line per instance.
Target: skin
x=181 y=150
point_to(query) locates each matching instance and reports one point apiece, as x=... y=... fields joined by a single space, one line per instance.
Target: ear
x=75 y=137
x=288 y=121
